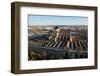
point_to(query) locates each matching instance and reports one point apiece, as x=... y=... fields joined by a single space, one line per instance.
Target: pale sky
x=56 y=20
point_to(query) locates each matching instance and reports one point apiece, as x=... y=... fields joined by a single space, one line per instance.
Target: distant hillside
x=59 y=25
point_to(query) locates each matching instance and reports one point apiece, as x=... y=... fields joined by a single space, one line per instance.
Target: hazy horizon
x=57 y=25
